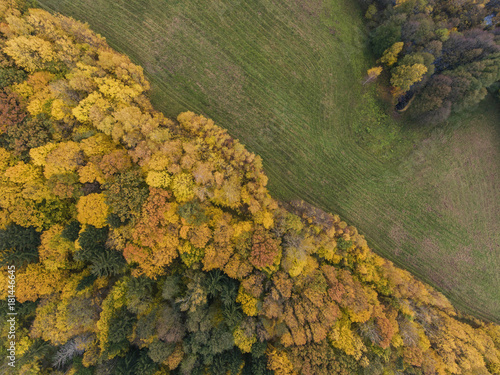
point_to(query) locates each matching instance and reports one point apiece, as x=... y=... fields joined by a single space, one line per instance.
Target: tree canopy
x=455 y=41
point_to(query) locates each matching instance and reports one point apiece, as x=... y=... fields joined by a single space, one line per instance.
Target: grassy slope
x=285 y=78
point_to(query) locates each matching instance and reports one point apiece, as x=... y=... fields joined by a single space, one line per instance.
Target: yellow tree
x=30 y=52
x=65 y=157
x=35 y=281
x=278 y=362
x=92 y=210
x=390 y=55
x=156 y=235
x=344 y=338
x=55 y=250
x=404 y=76
x=372 y=74
x=183 y=187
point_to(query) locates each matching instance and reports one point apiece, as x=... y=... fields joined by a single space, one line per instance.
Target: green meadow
x=285 y=77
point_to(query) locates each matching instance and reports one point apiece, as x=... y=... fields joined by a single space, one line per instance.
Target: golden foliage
x=183 y=187
x=248 y=302
x=243 y=341
x=342 y=337
x=30 y=52
x=90 y=173
x=175 y=358
x=390 y=56
x=158 y=179
x=278 y=362
x=36 y=281
x=54 y=250
x=64 y=158
x=92 y=210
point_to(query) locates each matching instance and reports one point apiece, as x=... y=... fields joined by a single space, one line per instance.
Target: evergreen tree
x=18 y=245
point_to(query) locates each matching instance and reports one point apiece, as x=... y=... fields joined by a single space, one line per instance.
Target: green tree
x=107 y=263
x=18 y=245
x=92 y=242
x=125 y=194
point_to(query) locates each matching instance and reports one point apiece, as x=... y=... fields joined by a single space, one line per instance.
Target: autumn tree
x=390 y=55
x=372 y=74
x=404 y=76
x=31 y=52
x=12 y=112
x=265 y=249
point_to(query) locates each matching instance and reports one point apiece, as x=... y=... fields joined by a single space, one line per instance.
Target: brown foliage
x=12 y=112
x=265 y=249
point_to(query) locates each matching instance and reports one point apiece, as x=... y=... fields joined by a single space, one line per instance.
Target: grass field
x=285 y=78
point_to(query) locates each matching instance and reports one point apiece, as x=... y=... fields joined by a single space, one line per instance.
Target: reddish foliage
x=115 y=161
x=385 y=329
x=264 y=249
x=11 y=111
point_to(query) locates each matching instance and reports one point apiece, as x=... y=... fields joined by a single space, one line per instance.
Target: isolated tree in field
x=372 y=74
x=404 y=76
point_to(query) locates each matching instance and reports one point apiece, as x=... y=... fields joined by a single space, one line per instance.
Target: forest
x=141 y=244
x=437 y=52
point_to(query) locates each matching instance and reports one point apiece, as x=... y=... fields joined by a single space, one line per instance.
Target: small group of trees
x=441 y=53
x=145 y=245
